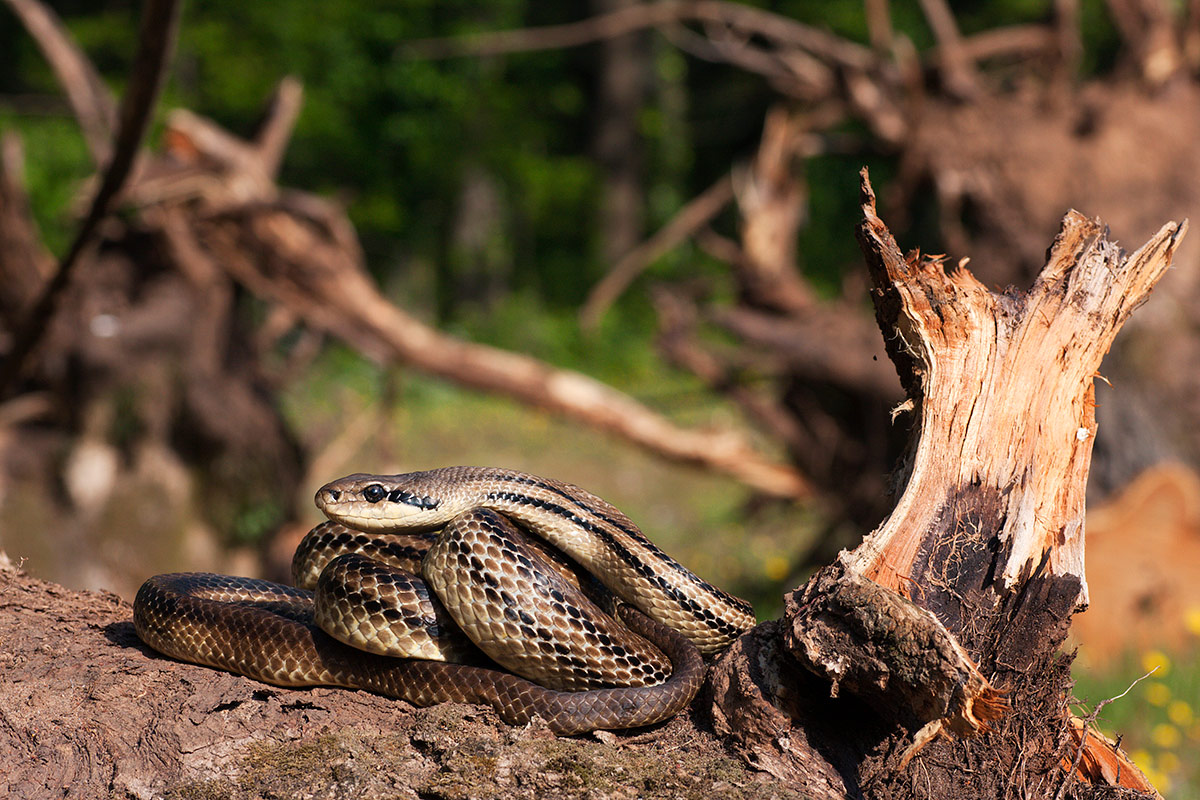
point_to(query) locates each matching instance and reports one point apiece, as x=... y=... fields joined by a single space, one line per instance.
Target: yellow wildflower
x=1166 y=736
x=1156 y=659
x=1158 y=693
x=775 y=568
x=1168 y=762
x=1160 y=781
x=1180 y=713
x=1191 y=619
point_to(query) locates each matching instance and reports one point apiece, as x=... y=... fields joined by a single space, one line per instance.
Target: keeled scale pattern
x=329 y=540
x=388 y=611
x=527 y=617
x=265 y=631
x=592 y=532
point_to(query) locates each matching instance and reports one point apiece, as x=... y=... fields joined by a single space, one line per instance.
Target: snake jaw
x=375 y=502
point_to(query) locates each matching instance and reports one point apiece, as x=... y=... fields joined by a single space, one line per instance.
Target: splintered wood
x=948 y=618
x=1002 y=393
x=988 y=535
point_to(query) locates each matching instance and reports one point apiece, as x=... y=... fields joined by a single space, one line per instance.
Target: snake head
x=380 y=502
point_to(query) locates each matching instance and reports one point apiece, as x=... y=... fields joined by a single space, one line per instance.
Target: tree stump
x=925 y=663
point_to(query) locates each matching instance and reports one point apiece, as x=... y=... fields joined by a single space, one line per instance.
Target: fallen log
x=87 y=710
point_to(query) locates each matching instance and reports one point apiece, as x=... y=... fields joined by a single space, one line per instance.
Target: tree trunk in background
x=624 y=72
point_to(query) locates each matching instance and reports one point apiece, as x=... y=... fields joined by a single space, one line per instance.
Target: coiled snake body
x=516 y=600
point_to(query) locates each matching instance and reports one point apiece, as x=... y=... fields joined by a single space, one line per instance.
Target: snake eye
x=374 y=493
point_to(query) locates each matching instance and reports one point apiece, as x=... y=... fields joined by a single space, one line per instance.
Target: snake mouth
x=372 y=502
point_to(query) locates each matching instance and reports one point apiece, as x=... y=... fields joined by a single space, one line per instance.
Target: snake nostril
x=334 y=494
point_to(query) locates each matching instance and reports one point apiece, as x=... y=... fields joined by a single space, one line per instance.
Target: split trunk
x=932 y=648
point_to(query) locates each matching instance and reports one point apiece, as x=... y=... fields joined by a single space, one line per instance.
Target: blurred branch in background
x=300 y=252
x=207 y=218
x=156 y=39
x=90 y=99
x=747 y=20
x=691 y=218
x=968 y=118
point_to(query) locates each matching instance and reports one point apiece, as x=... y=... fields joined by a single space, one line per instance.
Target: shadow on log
x=937 y=638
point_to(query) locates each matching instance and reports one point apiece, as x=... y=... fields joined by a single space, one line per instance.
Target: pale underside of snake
x=428 y=566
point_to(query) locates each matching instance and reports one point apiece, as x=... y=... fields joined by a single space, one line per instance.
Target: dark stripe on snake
x=645 y=570
x=624 y=526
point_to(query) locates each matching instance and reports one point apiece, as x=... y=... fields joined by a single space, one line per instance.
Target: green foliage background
x=395 y=137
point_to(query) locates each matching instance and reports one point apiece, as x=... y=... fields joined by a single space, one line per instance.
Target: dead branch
x=240 y=165
x=879 y=26
x=275 y=131
x=1096 y=754
x=287 y=261
x=678 y=340
x=789 y=70
x=1190 y=35
x=829 y=343
x=697 y=213
x=25 y=265
x=780 y=30
x=1008 y=42
x=773 y=205
x=156 y=40
x=811 y=362
x=958 y=70
x=89 y=97
x=1069 y=36
x=1148 y=28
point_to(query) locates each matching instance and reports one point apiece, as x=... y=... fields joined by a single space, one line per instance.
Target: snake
x=464 y=584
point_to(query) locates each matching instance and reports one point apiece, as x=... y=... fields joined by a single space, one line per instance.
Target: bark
x=945 y=622
x=929 y=650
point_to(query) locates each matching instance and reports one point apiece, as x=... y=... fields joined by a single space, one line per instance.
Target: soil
x=87 y=711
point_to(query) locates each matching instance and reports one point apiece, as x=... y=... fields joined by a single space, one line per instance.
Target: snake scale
x=430 y=566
